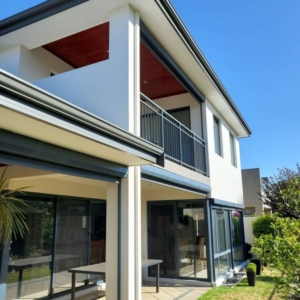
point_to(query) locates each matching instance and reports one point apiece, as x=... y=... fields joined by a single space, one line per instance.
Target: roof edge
x=169 y=9
x=35 y=14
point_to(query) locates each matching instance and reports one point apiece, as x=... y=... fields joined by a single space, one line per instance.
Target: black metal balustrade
x=180 y=144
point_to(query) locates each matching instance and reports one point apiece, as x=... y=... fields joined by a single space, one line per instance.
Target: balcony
x=180 y=144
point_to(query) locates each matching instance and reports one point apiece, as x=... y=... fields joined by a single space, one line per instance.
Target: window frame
x=232 y=146
x=218 y=150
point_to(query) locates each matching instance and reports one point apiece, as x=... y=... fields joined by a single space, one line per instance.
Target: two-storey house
x=129 y=144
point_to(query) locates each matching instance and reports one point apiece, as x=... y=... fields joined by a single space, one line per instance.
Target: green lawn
x=30 y=273
x=264 y=289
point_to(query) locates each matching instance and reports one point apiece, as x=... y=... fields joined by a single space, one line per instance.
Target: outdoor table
x=100 y=269
x=23 y=263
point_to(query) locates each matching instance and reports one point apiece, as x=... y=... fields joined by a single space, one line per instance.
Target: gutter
x=36 y=13
x=171 y=14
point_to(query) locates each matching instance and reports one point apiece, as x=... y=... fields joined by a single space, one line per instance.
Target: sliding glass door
x=228 y=240
x=221 y=242
x=177 y=235
x=31 y=256
x=63 y=233
x=191 y=240
x=72 y=241
x=162 y=238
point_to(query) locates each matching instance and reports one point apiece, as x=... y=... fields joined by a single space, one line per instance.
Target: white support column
x=121 y=57
x=137 y=169
x=124 y=54
x=111 y=276
x=128 y=239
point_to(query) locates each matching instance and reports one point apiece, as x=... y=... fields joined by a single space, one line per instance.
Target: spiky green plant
x=12 y=210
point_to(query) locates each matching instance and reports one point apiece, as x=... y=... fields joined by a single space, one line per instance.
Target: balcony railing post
x=162 y=133
x=195 y=151
x=180 y=143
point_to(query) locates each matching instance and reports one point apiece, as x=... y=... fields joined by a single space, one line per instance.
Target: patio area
x=174 y=292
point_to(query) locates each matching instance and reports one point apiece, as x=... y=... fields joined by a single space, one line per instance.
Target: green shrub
x=251 y=267
x=262 y=226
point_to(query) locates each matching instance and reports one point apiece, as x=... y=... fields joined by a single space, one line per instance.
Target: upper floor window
x=232 y=149
x=182 y=115
x=217 y=136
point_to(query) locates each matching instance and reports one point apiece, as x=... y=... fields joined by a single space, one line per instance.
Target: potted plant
x=251 y=274
x=12 y=213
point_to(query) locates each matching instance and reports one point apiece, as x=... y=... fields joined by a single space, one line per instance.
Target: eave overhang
x=31 y=111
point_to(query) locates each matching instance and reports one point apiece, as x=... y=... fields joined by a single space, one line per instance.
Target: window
x=182 y=115
x=217 y=136
x=232 y=149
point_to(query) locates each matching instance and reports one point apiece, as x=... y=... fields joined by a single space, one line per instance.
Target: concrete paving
x=165 y=293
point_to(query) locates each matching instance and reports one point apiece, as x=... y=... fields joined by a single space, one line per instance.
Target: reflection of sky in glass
x=12 y=7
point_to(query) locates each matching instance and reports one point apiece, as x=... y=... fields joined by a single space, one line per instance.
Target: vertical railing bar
x=162 y=130
x=180 y=143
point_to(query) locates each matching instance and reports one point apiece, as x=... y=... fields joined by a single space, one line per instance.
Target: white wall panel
x=225 y=179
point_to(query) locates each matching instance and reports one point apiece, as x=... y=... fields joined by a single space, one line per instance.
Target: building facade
x=128 y=142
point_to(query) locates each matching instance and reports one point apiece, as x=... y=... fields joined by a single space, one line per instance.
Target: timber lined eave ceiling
x=92 y=45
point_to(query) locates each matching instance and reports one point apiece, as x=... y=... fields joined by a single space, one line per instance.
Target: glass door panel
x=98 y=232
x=72 y=243
x=191 y=240
x=162 y=238
x=221 y=241
x=237 y=237
x=29 y=271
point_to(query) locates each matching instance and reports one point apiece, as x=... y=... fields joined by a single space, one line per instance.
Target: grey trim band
x=162 y=176
x=171 y=14
x=18 y=149
x=227 y=204
x=35 y=14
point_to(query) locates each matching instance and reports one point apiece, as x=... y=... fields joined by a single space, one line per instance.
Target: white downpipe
x=137 y=171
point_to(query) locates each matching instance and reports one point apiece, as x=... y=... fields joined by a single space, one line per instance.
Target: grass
x=265 y=289
x=30 y=273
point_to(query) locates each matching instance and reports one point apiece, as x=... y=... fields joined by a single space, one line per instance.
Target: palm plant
x=12 y=211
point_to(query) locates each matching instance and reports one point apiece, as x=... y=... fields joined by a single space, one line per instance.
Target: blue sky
x=254 y=47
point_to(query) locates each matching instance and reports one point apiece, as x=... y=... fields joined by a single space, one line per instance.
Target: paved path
x=165 y=293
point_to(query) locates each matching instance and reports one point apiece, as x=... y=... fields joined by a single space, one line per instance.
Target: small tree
x=262 y=226
x=282 y=193
x=281 y=252
x=12 y=215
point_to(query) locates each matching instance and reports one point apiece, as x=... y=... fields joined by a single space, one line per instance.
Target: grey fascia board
x=224 y=203
x=48 y=101
x=35 y=14
x=173 y=17
x=22 y=146
x=160 y=175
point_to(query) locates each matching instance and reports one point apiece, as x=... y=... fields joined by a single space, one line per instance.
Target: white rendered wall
x=106 y=88
x=10 y=60
x=39 y=63
x=251 y=189
x=225 y=179
x=249 y=238
x=184 y=100
x=31 y=65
